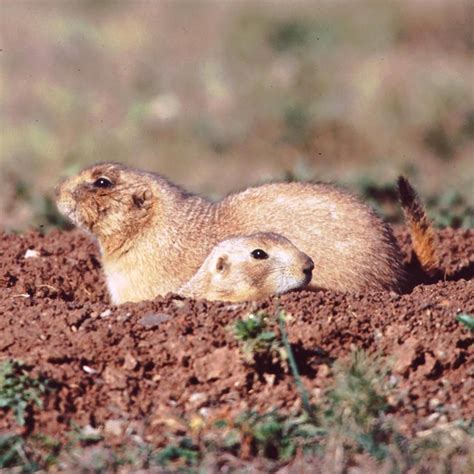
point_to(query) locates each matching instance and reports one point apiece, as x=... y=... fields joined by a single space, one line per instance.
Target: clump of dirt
x=135 y=364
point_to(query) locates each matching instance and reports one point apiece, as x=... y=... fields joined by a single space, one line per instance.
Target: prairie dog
x=248 y=268
x=154 y=236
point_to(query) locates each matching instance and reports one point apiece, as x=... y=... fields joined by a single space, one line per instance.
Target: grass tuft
x=257 y=340
x=18 y=391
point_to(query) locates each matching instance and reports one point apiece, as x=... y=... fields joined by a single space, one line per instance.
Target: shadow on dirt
x=417 y=276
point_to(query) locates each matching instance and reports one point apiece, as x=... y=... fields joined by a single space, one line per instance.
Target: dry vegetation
x=239 y=92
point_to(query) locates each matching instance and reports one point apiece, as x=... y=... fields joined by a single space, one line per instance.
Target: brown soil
x=142 y=363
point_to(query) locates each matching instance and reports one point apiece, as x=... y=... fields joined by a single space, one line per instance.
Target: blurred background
x=219 y=95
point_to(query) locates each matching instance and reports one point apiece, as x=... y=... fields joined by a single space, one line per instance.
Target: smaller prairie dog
x=248 y=268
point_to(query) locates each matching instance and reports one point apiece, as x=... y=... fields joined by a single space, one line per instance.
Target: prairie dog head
x=109 y=200
x=250 y=267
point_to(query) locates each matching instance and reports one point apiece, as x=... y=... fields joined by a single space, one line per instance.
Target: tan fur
x=423 y=236
x=154 y=236
x=231 y=273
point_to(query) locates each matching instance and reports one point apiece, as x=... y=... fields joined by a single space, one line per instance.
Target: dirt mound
x=138 y=363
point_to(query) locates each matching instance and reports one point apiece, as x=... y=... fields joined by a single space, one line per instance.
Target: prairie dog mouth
x=69 y=210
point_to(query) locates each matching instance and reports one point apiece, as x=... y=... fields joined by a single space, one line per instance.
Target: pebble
x=150 y=321
x=106 y=313
x=114 y=427
x=30 y=253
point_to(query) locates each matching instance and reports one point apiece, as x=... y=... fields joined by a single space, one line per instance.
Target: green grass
x=354 y=410
x=451 y=209
x=30 y=454
x=349 y=427
x=19 y=392
x=256 y=340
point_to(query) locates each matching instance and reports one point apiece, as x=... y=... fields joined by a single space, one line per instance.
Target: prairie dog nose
x=308 y=267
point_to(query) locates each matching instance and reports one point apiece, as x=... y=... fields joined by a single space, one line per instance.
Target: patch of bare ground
x=131 y=368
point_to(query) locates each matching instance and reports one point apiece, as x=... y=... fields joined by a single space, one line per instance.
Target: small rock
x=106 y=313
x=88 y=370
x=317 y=393
x=123 y=318
x=269 y=379
x=89 y=432
x=323 y=371
x=130 y=362
x=30 y=253
x=178 y=303
x=393 y=380
x=114 y=427
x=150 y=321
x=198 y=397
x=434 y=403
x=234 y=306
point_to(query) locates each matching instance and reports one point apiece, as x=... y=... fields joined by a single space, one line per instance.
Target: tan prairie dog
x=250 y=267
x=154 y=236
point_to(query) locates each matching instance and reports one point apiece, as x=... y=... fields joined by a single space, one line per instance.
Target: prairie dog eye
x=103 y=183
x=259 y=254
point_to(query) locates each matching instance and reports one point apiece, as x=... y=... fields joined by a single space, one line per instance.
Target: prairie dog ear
x=142 y=198
x=222 y=264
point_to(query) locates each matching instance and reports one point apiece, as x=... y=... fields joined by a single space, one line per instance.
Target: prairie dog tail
x=421 y=231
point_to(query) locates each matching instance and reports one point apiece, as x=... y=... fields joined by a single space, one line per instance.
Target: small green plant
x=356 y=403
x=257 y=341
x=18 y=391
x=184 y=453
x=12 y=451
x=293 y=365
x=31 y=454
x=84 y=435
x=467 y=320
x=275 y=435
x=451 y=209
x=255 y=338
